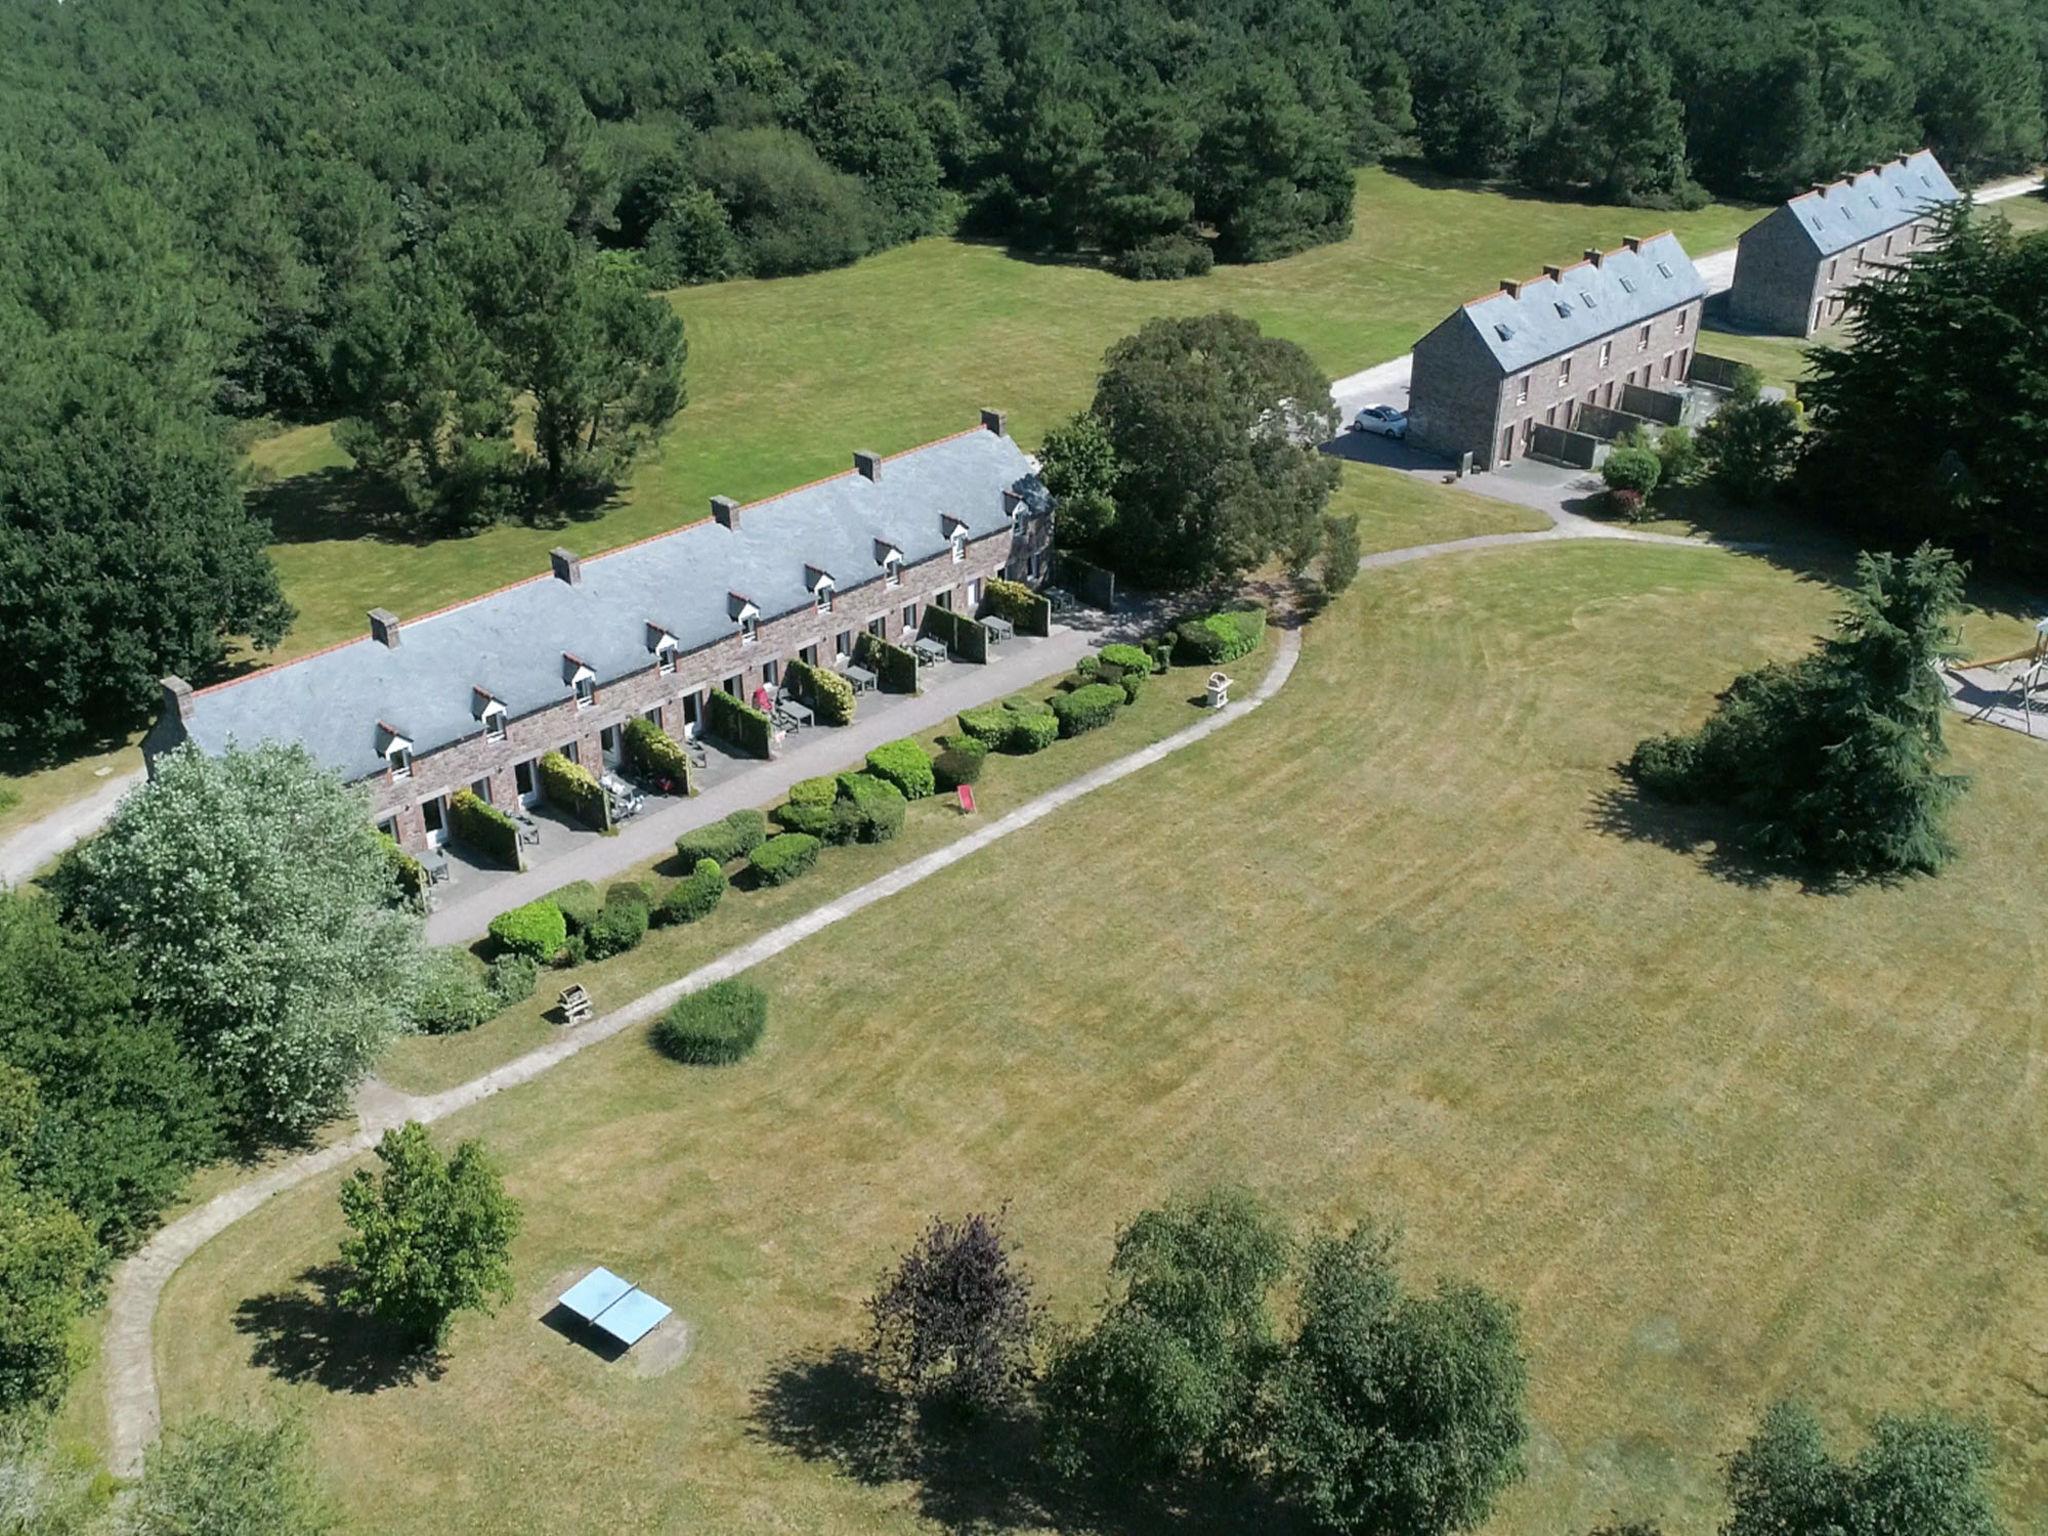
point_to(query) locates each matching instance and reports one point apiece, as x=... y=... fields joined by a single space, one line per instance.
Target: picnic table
x=797 y=715
x=862 y=679
x=999 y=630
x=930 y=651
x=435 y=863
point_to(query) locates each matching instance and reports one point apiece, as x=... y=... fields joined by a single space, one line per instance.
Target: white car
x=1383 y=419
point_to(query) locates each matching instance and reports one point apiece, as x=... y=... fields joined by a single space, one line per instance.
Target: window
x=771 y=671
x=845 y=642
x=910 y=615
x=586 y=692
x=431 y=816
x=665 y=656
x=494 y=721
x=878 y=626
x=1664 y=267
x=522 y=777
x=1507 y=445
x=1564 y=310
x=389 y=827
x=1550 y=417
x=1564 y=370
x=974 y=594
x=750 y=629
x=944 y=599
x=892 y=572
x=399 y=756
x=732 y=686
x=1683 y=314
x=824 y=598
x=1628 y=285
x=1834 y=268
x=1667 y=365
x=1522 y=391
x=1888 y=245
x=959 y=547
x=653 y=716
x=481 y=788
x=608 y=741
x=1643 y=339
x=573 y=751
x=1586 y=298
x=1606 y=353
x=809 y=654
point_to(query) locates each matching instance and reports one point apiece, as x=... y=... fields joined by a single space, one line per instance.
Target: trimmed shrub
x=536 y=930
x=574 y=952
x=870 y=809
x=630 y=890
x=1219 y=637
x=988 y=724
x=1163 y=258
x=905 y=764
x=1629 y=468
x=829 y=694
x=960 y=762
x=1127 y=667
x=1130 y=657
x=723 y=841
x=579 y=903
x=620 y=926
x=511 y=979
x=820 y=821
x=1086 y=708
x=696 y=895
x=1087 y=667
x=963 y=636
x=782 y=858
x=453 y=995
x=570 y=788
x=822 y=790
x=1030 y=612
x=737 y=721
x=484 y=827
x=715 y=1027
x=895 y=668
x=1031 y=733
x=657 y=754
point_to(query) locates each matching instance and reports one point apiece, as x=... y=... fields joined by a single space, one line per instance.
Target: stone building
x=1538 y=351
x=474 y=694
x=1793 y=266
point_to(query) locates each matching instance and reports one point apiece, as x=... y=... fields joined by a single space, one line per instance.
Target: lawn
x=1780 y=359
x=787 y=377
x=1397 y=511
x=29 y=796
x=1390 y=946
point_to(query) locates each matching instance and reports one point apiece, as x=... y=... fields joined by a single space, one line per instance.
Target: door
x=693 y=710
x=610 y=744
x=527 y=781
x=944 y=599
x=974 y=595
x=434 y=817
x=1507 y=445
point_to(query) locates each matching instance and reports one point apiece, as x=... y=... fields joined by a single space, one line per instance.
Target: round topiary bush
x=781 y=859
x=696 y=895
x=536 y=930
x=715 y=1027
x=621 y=924
x=960 y=763
x=906 y=765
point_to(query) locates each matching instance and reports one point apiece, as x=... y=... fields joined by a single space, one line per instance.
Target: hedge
x=453 y=994
x=696 y=895
x=483 y=827
x=1018 y=725
x=959 y=762
x=782 y=858
x=1087 y=707
x=571 y=788
x=894 y=667
x=511 y=979
x=723 y=841
x=737 y=721
x=578 y=902
x=819 y=821
x=871 y=808
x=829 y=695
x=1220 y=637
x=906 y=765
x=714 y=1027
x=964 y=637
x=822 y=790
x=621 y=925
x=536 y=930
x=657 y=754
x=1130 y=657
x=1031 y=733
x=1029 y=611
x=407 y=873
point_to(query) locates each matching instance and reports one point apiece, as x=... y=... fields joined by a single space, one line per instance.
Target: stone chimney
x=1595 y=257
x=1012 y=503
x=568 y=568
x=868 y=464
x=384 y=627
x=1555 y=274
x=1511 y=286
x=994 y=421
x=1633 y=243
x=725 y=511
x=1819 y=189
x=178 y=696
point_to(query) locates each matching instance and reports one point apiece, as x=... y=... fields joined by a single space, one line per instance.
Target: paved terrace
x=475 y=893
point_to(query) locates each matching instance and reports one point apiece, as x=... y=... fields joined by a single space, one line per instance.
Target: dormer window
x=581 y=678
x=824 y=597
x=750 y=629
x=959 y=545
x=892 y=570
x=586 y=692
x=399 y=756
x=665 y=655
x=494 y=721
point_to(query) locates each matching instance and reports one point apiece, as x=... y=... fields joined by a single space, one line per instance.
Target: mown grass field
x=787 y=377
x=1391 y=945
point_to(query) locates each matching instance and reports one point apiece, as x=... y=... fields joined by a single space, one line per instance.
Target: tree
x=953 y=1321
x=433 y=1234
x=790 y=211
x=1833 y=759
x=1166 y=1379
x=125 y=553
x=1271 y=173
x=1632 y=468
x=1392 y=1412
x=254 y=899
x=46 y=1259
x=1751 y=450
x=1340 y=554
x=1079 y=466
x=1923 y=1474
x=1214 y=428
x=120 y=1113
x=216 y=1475
x=1639 y=129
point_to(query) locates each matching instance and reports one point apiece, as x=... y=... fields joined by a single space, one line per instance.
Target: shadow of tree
x=1712 y=837
x=985 y=1475
x=306 y=1334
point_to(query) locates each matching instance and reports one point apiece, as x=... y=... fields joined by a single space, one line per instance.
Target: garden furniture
x=999 y=630
x=862 y=679
x=930 y=651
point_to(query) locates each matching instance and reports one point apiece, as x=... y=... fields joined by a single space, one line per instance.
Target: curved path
x=134 y=1413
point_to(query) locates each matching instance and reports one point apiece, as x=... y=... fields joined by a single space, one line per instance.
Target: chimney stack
x=1555 y=274
x=1819 y=189
x=1595 y=257
x=867 y=463
x=1012 y=503
x=1633 y=242
x=178 y=696
x=384 y=627
x=1511 y=286
x=568 y=568
x=993 y=421
x=726 y=511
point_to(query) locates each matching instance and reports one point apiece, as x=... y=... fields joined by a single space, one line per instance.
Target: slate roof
x=1857 y=208
x=1553 y=315
x=520 y=645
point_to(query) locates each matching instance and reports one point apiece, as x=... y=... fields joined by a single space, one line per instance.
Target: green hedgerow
x=905 y=764
x=621 y=925
x=511 y=979
x=715 y=1027
x=1087 y=708
x=872 y=808
x=782 y=858
x=724 y=841
x=696 y=895
x=579 y=904
x=536 y=930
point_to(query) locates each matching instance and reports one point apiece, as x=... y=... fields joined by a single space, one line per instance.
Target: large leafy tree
x=1213 y=427
x=46 y=1259
x=431 y=1234
x=1923 y=1474
x=953 y=1321
x=1392 y=1412
x=1835 y=760
x=125 y=553
x=255 y=900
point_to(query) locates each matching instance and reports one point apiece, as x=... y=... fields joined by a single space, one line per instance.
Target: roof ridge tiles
x=1622 y=249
